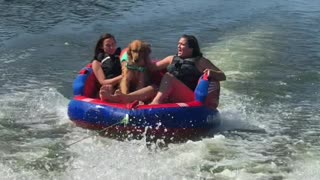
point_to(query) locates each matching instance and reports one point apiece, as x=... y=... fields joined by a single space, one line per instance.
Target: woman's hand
x=208 y=72
x=216 y=75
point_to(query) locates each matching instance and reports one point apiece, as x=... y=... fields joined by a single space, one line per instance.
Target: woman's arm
x=98 y=72
x=113 y=81
x=160 y=65
x=214 y=72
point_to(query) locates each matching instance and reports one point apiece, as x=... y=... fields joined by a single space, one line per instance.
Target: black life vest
x=110 y=64
x=185 y=70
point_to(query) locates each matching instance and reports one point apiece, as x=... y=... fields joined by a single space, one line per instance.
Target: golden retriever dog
x=134 y=72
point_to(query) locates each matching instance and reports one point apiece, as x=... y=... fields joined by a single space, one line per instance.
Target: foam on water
x=118 y=160
x=32 y=125
x=306 y=168
x=242 y=110
x=35 y=106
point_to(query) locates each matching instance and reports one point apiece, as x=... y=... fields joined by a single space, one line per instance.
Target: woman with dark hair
x=184 y=70
x=106 y=64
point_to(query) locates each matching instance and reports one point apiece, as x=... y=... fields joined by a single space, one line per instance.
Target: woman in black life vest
x=106 y=65
x=184 y=70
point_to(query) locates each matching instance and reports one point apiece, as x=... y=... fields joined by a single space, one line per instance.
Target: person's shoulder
x=99 y=56
x=205 y=63
x=170 y=57
x=204 y=58
x=163 y=63
x=118 y=51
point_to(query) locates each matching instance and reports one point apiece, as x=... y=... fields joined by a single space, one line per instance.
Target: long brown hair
x=98 y=48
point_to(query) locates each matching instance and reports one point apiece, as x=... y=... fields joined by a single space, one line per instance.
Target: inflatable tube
x=172 y=120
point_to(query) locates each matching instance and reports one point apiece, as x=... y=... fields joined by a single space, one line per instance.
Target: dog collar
x=136 y=68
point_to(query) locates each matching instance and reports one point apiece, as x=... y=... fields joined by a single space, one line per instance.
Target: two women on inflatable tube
x=169 y=120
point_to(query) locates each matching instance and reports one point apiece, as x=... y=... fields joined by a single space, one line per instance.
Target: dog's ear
x=147 y=51
x=129 y=53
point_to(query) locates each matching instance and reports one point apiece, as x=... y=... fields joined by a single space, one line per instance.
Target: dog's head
x=138 y=52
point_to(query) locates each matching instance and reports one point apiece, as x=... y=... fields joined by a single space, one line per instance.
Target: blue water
x=270 y=52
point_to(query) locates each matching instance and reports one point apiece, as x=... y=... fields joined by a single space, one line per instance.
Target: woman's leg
x=144 y=94
x=106 y=94
x=172 y=89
